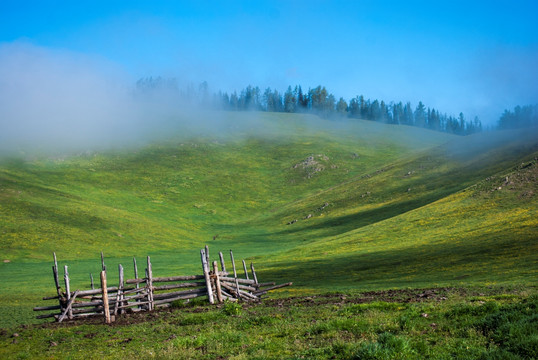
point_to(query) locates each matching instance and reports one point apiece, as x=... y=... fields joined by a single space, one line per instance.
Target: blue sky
x=478 y=57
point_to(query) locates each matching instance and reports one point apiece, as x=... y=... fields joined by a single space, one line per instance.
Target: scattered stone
x=292 y=222
x=323 y=206
x=355 y=156
x=311 y=165
x=424 y=315
x=308 y=216
x=408 y=189
x=15 y=335
x=53 y=343
x=6 y=261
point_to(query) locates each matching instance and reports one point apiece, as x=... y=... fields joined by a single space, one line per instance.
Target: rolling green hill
x=377 y=206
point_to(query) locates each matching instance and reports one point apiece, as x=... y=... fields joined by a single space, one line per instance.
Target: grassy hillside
x=377 y=207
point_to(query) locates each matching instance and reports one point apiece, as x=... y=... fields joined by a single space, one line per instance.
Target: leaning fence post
x=120 y=291
x=67 y=291
x=150 y=284
x=205 y=269
x=217 y=281
x=137 y=285
x=57 y=280
x=106 y=309
x=222 y=266
x=254 y=273
x=245 y=269
x=235 y=276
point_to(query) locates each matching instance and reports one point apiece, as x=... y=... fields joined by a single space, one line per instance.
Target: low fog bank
x=54 y=101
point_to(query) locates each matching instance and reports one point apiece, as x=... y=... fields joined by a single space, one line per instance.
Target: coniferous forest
x=321 y=102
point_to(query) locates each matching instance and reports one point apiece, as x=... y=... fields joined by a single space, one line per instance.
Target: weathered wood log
x=51 y=297
x=45 y=316
x=68 y=307
x=110 y=289
x=166 y=279
x=266 y=284
x=272 y=288
x=183 y=297
x=46 y=308
x=128 y=305
x=133 y=297
x=222 y=265
x=207 y=256
x=178 y=293
x=87 y=310
x=205 y=269
x=241 y=287
x=253 y=273
x=245 y=270
x=106 y=309
x=217 y=281
x=73 y=306
x=79 y=316
x=248 y=295
x=177 y=286
x=67 y=289
x=243 y=295
x=232 y=289
x=131 y=290
x=241 y=281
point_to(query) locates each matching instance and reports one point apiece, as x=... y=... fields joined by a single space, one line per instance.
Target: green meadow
x=336 y=207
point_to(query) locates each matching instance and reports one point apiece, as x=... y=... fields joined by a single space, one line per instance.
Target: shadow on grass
x=496 y=258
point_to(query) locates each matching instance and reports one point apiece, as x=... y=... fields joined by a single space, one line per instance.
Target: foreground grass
x=464 y=323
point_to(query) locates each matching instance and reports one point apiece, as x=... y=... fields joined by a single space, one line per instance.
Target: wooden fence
x=148 y=293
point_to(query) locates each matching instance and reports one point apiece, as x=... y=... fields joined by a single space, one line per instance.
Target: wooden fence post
x=150 y=284
x=222 y=266
x=67 y=291
x=91 y=281
x=57 y=280
x=106 y=309
x=235 y=276
x=245 y=269
x=205 y=269
x=207 y=255
x=103 y=266
x=120 y=290
x=254 y=273
x=217 y=281
x=137 y=285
